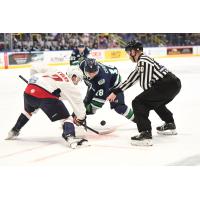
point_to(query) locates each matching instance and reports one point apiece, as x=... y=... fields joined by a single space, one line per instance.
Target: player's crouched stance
x=44 y=91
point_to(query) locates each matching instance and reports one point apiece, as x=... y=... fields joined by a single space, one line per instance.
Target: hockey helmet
x=90 y=65
x=75 y=74
x=133 y=44
x=81 y=45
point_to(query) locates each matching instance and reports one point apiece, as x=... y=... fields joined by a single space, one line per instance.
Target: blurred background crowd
x=67 y=41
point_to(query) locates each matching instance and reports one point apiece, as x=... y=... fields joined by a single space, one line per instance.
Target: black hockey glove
x=73 y=115
x=57 y=92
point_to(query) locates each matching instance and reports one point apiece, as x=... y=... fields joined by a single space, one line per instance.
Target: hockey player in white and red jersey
x=45 y=91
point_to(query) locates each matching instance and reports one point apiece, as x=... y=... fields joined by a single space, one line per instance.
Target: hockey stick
x=91 y=129
x=85 y=126
x=23 y=79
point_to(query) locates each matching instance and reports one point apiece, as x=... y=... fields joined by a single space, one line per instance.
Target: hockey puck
x=103 y=123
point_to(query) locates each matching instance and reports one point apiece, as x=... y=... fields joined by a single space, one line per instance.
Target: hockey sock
x=125 y=111
x=22 y=120
x=68 y=130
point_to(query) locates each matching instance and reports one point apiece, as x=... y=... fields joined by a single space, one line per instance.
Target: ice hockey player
x=78 y=54
x=101 y=79
x=160 y=87
x=44 y=91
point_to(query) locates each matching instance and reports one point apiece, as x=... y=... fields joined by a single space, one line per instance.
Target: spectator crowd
x=67 y=41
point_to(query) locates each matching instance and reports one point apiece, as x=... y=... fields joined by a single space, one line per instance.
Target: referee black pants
x=156 y=98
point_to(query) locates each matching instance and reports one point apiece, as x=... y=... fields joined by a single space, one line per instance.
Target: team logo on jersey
x=32 y=91
x=101 y=82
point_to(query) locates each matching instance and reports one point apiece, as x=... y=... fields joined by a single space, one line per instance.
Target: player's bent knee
x=120 y=109
x=90 y=110
x=27 y=114
x=135 y=103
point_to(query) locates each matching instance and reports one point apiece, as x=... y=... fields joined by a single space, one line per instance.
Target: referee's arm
x=132 y=78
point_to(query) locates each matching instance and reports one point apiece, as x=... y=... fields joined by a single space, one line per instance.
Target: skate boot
x=167 y=129
x=13 y=133
x=74 y=142
x=144 y=139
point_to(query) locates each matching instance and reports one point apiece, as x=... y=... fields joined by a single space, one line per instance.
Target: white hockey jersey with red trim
x=51 y=81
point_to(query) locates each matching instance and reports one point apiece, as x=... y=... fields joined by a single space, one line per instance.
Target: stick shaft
x=20 y=76
x=91 y=129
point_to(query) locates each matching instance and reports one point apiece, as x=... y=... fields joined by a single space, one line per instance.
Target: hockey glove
x=79 y=122
x=57 y=92
x=73 y=115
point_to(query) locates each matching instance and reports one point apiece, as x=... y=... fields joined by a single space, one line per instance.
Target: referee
x=160 y=87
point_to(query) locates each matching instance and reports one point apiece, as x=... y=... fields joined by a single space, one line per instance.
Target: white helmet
x=75 y=74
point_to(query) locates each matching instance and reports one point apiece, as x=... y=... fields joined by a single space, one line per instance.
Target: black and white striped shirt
x=147 y=71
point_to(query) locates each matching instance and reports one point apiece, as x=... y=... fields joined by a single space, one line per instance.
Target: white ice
x=40 y=141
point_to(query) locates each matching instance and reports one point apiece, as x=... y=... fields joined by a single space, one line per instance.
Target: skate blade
x=76 y=145
x=11 y=137
x=167 y=132
x=147 y=142
x=79 y=146
x=84 y=144
x=73 y=145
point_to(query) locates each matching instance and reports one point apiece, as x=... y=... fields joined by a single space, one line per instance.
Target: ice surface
x=40 y=141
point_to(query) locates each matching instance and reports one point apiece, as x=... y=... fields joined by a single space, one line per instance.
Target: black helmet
x=133 y=44
x=81 y=45
x=90 y=65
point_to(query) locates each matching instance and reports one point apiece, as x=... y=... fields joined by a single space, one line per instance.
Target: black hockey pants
x=156 y=98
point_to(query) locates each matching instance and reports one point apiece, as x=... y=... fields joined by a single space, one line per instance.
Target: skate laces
x=167 y=126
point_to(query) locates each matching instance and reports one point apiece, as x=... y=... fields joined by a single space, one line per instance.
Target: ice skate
x=144 y=139
x=12 y=134
x=74 y=142
x=167 y=129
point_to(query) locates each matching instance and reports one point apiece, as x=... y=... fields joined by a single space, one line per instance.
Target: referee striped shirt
x=147 y=71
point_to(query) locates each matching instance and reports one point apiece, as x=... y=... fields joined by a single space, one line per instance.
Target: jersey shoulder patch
x=101 y=82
